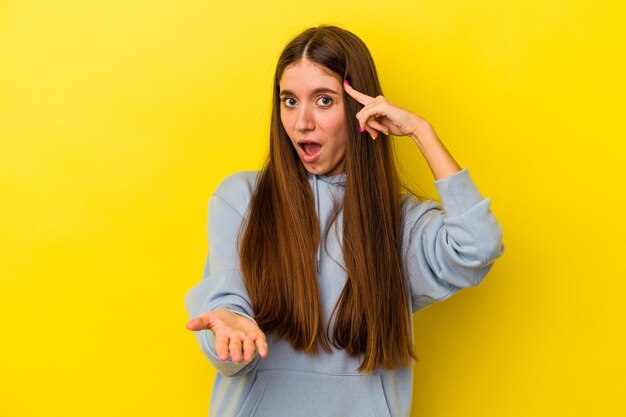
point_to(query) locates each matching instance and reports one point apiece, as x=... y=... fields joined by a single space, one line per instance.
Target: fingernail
x=346 y=83
x=360 y=129
x=386 y=133
x=373 y=137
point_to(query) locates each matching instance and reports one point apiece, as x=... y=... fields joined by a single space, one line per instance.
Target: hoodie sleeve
x=450 y=248
x=222 y=284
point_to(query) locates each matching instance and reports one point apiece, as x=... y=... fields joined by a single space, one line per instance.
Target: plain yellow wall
x=119 y=118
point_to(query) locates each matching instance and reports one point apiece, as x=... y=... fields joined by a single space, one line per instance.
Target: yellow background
x=119 y=118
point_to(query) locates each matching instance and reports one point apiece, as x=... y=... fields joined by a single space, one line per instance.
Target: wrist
x=423 y=132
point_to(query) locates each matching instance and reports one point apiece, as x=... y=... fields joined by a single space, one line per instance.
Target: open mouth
x=310 y=150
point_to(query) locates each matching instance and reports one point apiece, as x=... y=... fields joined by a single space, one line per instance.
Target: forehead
x=306 y=75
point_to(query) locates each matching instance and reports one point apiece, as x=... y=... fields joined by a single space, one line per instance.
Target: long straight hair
x=372 y=316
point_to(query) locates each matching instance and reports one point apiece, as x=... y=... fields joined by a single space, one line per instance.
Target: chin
x=318 y=169
x=315 y=170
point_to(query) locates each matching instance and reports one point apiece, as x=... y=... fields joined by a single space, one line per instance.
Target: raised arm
x=451 y=247
x=381 y=115
x=444 y=248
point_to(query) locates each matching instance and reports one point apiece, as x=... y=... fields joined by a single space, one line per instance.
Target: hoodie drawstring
x=317 y=207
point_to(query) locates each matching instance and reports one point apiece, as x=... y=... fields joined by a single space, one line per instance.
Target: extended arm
x=219 y=308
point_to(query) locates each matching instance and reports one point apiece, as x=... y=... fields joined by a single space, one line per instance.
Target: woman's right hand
x=235 y=335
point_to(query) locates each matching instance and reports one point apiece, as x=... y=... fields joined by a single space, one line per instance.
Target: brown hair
x=372 y=316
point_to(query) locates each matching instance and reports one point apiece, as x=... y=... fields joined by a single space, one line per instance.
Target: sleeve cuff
x=458 y=192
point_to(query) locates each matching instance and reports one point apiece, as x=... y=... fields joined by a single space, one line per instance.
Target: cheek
x=340 y=131
x=335 y=124
x=288 y=126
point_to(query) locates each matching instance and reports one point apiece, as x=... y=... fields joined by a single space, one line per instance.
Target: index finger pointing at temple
x=357 y=95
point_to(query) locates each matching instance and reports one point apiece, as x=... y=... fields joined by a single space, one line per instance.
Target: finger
x=368 y=116
x=248 y=350
x=197 y=323
x=221 y=346
x=374 y=110
x=357 y=95
x=234 y=347
x=378 y=126
x=373 y=133
x=261 y=345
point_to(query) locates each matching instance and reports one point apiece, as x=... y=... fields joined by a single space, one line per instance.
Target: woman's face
x=312 y=114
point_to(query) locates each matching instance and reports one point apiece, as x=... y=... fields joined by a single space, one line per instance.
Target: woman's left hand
x=381 y=115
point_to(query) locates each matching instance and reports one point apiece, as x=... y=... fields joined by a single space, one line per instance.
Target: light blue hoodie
x=444 y=250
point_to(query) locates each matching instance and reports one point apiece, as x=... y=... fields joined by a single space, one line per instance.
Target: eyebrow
x=316 y=91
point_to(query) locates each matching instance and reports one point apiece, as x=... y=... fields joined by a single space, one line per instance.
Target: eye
x=325 y=101
x=289 y=101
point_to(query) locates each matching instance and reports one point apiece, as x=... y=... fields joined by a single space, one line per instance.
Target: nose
x=305 y=119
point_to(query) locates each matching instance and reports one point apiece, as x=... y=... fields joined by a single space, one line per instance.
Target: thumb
x=198 y=323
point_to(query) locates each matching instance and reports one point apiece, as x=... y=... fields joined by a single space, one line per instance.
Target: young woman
x=317 y=262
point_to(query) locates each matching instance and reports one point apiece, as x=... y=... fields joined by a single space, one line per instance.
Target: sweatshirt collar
x=339 y=179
